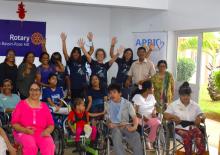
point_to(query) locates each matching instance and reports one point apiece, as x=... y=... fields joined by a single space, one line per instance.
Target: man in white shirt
x=140 y=71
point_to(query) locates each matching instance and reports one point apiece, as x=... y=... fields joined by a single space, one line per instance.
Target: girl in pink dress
x=33 y=124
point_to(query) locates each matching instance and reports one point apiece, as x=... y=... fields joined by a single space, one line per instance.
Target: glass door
x=188 y=62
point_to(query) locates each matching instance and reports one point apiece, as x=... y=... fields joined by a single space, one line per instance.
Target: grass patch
x=211 y=108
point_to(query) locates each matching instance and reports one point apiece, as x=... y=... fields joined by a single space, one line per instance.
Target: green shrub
x=216 y=78
x=185 y=69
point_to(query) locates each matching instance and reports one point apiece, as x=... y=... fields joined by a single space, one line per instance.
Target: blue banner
x=21 y=36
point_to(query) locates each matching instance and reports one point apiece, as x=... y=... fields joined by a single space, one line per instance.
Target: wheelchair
x=58 y=132
x=84 y=142
x=160 y=141
x=175 y=143
x=5 y=119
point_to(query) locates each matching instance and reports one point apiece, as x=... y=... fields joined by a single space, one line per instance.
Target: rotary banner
x=21 y=36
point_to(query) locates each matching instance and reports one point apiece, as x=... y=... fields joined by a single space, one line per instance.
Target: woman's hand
x=63 y=36
x=81 y=43
x=90 y=36
x=29 y=130
x=45 y=133
x=198 y=121
x=12 y=150
x=114 y=41
x=176 y=119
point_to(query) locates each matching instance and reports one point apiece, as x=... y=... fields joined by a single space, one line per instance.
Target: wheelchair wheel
x=160 y=143
x=57 y=135
x=102 y=140
x=169 y=138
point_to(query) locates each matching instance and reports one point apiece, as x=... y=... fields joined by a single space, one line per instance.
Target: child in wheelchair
x=187 y=116
x=144 y=103
x=119 y=111
x=53 y=94
x=78 y=122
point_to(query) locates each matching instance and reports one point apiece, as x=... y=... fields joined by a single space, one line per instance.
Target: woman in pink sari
x=33 y=124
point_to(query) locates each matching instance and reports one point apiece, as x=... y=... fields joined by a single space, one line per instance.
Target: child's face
x=81 y=107
x=53 y=81
x=115 y=95
x=95 y=81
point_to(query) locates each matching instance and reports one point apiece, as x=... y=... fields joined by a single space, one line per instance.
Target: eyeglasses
x=35 y=90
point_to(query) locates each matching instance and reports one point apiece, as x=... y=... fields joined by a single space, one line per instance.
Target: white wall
x=181 y=15
x=76 y=21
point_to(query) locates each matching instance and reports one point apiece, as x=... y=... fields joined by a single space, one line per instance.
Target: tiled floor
x=212 y=130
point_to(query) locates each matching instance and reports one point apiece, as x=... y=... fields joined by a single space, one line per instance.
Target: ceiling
x=142 y=4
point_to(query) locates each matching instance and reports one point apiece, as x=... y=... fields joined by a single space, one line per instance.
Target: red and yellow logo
x=36 y=38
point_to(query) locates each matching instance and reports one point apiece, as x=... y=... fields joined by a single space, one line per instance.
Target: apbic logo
x=156 y=42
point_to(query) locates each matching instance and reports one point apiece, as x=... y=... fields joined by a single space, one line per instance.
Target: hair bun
x=185 y=84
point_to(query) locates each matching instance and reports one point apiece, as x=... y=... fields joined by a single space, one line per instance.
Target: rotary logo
x=36 y=38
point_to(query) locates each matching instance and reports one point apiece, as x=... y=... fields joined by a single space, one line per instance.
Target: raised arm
x=63 y=37
x=149 y=50
x=119 y=52
x=81 y=44
x=60 y=67
x=43 y=45
x=90 y=38
x=113 y=43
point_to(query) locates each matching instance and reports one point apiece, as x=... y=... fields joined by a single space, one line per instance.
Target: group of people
x=137 y=91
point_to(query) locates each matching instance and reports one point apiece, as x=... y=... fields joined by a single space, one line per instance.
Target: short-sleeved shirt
x=72 y=117
x=77 y=72
x=24 y=82
x=54 y=95
x=38 y=118
x=97 y=96
x=120 y=112
x=141 y=70
x=8 y=101
x=61 y=79
x=146 y=105
x=100 y=69
x=8 y=72
x=186 y=113
x=123 y=68
x=45 y=72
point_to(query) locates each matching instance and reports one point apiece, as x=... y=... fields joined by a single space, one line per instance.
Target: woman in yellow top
x=163 y=83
